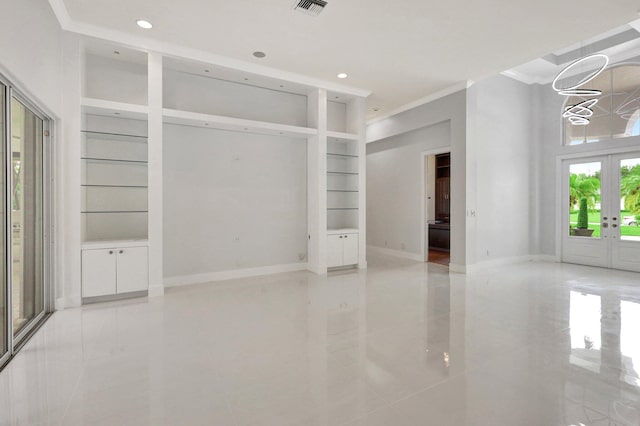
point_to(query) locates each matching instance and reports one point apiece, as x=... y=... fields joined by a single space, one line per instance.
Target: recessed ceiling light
x=342 y=75
x=259 y=54
x=144 y=24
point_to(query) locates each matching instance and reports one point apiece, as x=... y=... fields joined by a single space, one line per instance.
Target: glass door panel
x=630 y=199
x=4 y=311
x=584 y=199
x=584 y=237
x=625 y=212
x=27 y=289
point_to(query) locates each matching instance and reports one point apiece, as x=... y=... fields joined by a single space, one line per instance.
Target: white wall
x=232 y=200
x=451 y=108
x=115 y=80
x=395 y=179
x=189 y=92
x=31 y=46
x=500 y=156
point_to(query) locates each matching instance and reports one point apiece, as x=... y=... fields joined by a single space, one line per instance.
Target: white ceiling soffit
x=620 y=44
x=401 y=50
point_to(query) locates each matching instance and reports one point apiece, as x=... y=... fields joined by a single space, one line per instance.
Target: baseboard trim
x=68 y=302
x=544 y=258
x=459 y=269
x=156 y=290
x=395 y=253
x=505 y=261
x=232 y=274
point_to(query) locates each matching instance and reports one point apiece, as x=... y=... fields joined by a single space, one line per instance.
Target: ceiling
x=401 y=50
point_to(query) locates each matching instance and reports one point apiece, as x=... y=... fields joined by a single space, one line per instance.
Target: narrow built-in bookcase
x=114 y=158
x=345 y=183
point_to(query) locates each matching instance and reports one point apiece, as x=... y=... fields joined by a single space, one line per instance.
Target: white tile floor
x=402 y=343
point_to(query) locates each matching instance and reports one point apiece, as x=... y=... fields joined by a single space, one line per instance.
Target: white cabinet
x=132 y=270
x=98 y=272
x=114 y=270
x=335 y=251
x=342 y=249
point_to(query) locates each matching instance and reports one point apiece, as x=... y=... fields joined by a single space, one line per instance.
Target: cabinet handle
x=345 y=236
x=110 y=251
x=121 y=251
x=340 y=236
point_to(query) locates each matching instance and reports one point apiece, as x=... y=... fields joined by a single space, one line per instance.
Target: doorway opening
x=438 y=207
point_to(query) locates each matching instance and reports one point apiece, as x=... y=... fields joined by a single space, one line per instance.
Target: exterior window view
x=319 y=213
x=615 y=115
x=585 y=200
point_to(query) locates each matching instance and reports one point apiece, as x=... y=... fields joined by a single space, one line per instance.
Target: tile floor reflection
x=402 y=343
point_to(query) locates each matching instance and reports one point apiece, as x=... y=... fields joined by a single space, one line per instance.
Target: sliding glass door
x=4 y=289
x=26 y=164
x=23 y=192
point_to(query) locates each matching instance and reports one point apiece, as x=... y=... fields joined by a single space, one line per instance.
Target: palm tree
x=583 y=186
x=630 y=189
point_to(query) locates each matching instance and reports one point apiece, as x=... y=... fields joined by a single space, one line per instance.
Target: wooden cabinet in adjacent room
x=443 y=188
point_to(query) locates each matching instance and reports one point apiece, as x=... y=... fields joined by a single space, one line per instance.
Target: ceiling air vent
x=310 y=7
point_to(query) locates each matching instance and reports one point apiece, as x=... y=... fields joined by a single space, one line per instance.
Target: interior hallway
x=402 y=343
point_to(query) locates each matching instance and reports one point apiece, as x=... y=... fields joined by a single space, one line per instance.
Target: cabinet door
x=335 y=250
x=98 y=272
x=350 y=243
x=133 y=269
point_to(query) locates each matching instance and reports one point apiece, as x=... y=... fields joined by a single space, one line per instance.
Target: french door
x=607 y=233
x=22 y=229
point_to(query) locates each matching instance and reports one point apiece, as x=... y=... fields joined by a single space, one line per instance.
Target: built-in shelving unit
x=114 y=182
x=138 y=107
x=343 y=184
x=108 y=108
x=219 y=122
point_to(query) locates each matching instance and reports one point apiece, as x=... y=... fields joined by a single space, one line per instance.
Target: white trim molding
x=232 y=274
x=505 y=261
x=429 y=98
x=396 y=253
x=68 y=302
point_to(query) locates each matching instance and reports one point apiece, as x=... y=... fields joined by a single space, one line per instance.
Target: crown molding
x=425 y=100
